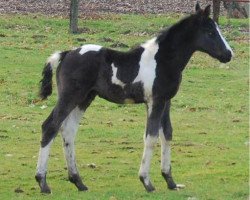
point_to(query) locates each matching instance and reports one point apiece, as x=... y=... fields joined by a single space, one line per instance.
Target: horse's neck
x=174 y=58
x=175 y=49
x=176 y=45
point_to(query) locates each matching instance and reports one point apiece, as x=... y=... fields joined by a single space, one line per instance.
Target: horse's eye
x=210 y=33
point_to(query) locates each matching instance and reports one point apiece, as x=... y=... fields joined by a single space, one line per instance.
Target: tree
x=216 y=10
x=73 y=22
x=233 y=7
x=237 y=9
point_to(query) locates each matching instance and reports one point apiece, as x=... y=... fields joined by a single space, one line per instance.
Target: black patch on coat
x=134 y=91
x=127 y=63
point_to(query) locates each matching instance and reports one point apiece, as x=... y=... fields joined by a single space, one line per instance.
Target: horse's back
x=79 y=70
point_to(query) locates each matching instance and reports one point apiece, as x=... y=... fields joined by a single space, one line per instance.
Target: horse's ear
x=207 y=11
x=197 y=7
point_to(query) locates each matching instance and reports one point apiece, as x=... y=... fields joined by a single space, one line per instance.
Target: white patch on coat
x=89 y=47
x=165 y=153
x=54 y=59
x=43 y=159
x=223 y=39
x=114 y=78
x=149 y=143
x=150 y=106
x=147 y=67
x=68 y=131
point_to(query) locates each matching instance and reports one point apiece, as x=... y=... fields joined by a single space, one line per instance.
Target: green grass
x=209 y=115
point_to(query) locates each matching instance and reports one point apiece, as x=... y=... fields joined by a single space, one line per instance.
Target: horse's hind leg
x=50 y=128
x=68 y=131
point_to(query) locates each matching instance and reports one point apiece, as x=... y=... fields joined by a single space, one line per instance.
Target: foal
x=150 y=74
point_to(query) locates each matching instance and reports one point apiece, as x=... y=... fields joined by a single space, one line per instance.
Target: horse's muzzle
x=226 y=57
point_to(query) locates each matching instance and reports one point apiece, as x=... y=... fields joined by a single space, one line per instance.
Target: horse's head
x=208 y=37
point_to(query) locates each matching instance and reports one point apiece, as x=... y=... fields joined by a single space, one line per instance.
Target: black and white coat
x=150 y=74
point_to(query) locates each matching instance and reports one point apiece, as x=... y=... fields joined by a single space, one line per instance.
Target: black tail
x=46 y=82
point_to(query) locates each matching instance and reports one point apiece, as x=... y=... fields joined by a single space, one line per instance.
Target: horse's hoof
x=147 y=184
x=76 y=179
x=46 y=190
x=82 y=188
x=150 y=188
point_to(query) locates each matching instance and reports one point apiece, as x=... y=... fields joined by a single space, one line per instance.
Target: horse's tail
x=52 y=63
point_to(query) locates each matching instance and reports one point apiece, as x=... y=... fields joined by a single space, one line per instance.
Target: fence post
x=73 y=24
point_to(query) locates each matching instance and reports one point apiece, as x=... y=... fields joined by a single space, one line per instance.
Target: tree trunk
x=73 y=24
x=216 y=10
x=236 y=9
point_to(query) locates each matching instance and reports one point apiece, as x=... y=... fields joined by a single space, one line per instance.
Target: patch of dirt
x=92 y=7
x=119 y=45
x=18 y=190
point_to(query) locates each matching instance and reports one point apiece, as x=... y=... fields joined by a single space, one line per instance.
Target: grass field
x=210 y=148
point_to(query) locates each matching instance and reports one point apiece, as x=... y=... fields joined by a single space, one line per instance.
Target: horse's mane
x=178 y=28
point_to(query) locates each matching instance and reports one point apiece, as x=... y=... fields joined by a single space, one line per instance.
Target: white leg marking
x=114 y=78
x=89 y=47
x=223 y=39
x=43 y=159
x=166 y=157
x=165 y=153
x=147 y=67
x=149 y=143
x=68 y=132
x=150 y=106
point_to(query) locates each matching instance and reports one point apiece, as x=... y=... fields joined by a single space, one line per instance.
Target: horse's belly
x=127 y=94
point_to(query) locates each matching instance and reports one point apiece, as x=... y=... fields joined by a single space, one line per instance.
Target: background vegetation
x=209 y=114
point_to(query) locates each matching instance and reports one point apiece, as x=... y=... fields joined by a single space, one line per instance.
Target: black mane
x=178 y=29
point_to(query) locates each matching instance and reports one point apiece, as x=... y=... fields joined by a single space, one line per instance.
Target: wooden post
x=216 y=10
x=73 y=23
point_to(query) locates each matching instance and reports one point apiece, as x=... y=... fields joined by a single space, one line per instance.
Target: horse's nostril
x=226 y=56
x=230 y=53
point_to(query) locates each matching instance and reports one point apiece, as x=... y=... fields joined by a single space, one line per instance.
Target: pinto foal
x=150 y=74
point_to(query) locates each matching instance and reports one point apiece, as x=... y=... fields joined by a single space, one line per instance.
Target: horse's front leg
x=155 y=110
x=166 y=136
